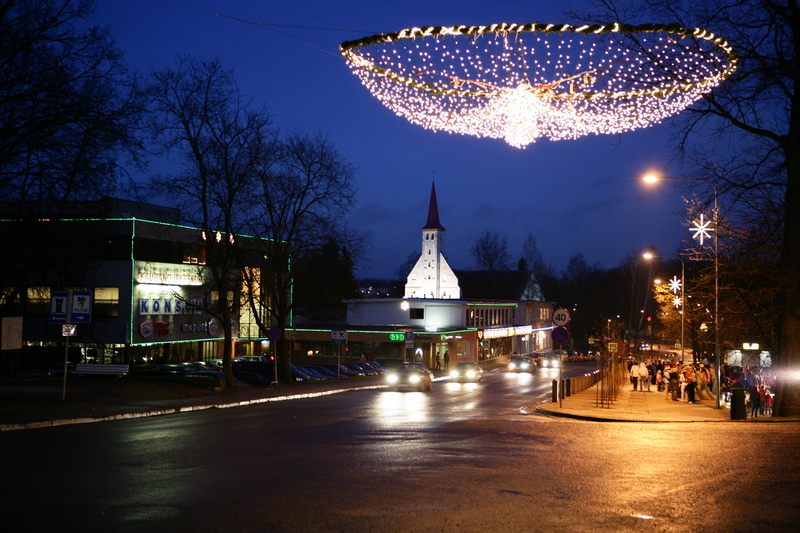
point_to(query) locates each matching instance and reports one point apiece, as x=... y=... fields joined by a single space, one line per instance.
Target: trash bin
x=738 y=409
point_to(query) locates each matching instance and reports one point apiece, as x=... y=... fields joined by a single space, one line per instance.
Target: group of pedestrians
x=682 y=382
x=758 y=386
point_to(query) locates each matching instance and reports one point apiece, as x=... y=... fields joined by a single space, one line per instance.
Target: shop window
x=106 y=301
x=416 y=313
x=194 y=253
x=38 y=300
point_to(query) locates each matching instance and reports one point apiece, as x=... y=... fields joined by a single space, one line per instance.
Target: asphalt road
x=465 y=457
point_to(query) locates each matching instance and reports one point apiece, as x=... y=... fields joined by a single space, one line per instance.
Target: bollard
x=738 y=409
x=568 y=387
x=555 y=391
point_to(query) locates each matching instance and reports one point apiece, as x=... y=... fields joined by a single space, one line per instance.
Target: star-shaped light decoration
x=677 y=301
x=701 y=229
x=675 y=284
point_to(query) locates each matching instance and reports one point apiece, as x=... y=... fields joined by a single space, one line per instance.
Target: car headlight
x=454 y=373
x=470 y=373
x=555 y=364
x=391 y=378
x=414 y=379
x=511 y=366
x=524 y=366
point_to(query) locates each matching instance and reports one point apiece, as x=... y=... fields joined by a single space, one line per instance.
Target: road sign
x=338 y=336
x=591 y=340
x=58 y=307
x=560 y=335
x=68 y=330
x=561 y=317
x=612 y=347
x=274 y=334
x=81 y=310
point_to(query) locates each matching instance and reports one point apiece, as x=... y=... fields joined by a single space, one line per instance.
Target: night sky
x=575 y=196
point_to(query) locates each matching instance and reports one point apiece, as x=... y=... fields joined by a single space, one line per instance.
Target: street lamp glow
x=651 y=178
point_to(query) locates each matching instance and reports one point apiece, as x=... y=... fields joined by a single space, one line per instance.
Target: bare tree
x=222 y=145
x=302 y=199
x=490 y=252
x=68 y=112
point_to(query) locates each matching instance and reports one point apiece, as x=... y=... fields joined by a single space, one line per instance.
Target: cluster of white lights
x=522 y=82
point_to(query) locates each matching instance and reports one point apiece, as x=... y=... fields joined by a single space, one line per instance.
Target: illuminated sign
x=750 y=346
x=168 y=274
x=397 y=337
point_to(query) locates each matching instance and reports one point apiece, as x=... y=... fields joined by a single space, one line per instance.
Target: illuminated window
x=38 y=300
x=194 y=253
x=106 y=301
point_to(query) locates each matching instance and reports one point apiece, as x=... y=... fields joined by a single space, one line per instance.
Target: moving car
x=521 y=363
x=551 y=361
x=410 y=376
x=467 y=372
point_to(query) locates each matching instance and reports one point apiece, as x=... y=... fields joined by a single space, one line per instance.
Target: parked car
x=410 y=376
x=209 y=374
x=252 y=378
x=165 y=370
x=49 y=371
x=349 y=372
x=299 y=375
x=358 y=368
x=467 y=372
x=370 y=365
x=325 y=371
x=199 y=366
x=313 y=372
x=521 y=363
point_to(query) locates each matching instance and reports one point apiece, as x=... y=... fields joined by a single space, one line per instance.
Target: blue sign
x=560 y=335
x=81 y=309
x=274 y=334
x=58 y=307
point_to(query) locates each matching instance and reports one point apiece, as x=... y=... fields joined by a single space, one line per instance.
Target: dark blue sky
x=574 y=196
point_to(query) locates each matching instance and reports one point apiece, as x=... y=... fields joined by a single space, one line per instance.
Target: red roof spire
x=433 y=212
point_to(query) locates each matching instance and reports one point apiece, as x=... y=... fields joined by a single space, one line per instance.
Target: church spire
x=433 y=212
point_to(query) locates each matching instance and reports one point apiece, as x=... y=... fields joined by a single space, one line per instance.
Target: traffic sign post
x=560 y=336
x=561 y=317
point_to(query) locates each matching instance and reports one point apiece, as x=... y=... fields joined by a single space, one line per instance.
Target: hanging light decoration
x=520 y=82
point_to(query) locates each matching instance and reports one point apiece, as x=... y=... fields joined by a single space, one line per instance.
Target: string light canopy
x=520 y=82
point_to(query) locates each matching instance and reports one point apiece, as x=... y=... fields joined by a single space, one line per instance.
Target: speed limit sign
x=561 y=317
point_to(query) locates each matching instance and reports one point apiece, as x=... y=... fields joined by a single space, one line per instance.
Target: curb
x=171 y=411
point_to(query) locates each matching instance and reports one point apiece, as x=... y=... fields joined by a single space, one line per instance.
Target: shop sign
x=168 y=274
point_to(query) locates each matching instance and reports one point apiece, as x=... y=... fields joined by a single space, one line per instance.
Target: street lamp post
x=717 y=359
x=683 y=293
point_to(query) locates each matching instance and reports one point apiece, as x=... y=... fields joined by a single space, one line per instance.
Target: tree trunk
x=787 y=357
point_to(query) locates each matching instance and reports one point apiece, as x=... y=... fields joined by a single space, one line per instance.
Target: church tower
x=432 y=277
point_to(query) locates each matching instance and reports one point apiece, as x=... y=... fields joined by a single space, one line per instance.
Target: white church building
x=435 y=315
x=432 y=277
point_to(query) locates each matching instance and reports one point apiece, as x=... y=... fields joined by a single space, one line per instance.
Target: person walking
x=644 y=377
x=634 y=375
x=755 y=401
x=446 y=360
x=438 y=361
x=691 y=384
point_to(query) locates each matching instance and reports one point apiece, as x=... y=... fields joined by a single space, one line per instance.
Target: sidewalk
x=105 y=398
x=635 y=406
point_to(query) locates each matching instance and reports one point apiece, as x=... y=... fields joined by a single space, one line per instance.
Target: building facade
x=153 y=299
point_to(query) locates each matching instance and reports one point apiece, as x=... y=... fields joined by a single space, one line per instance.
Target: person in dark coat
x=755 y=401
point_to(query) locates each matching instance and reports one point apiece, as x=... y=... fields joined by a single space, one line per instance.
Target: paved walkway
x=635 y=406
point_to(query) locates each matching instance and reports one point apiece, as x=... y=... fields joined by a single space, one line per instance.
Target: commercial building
x=152 y=296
